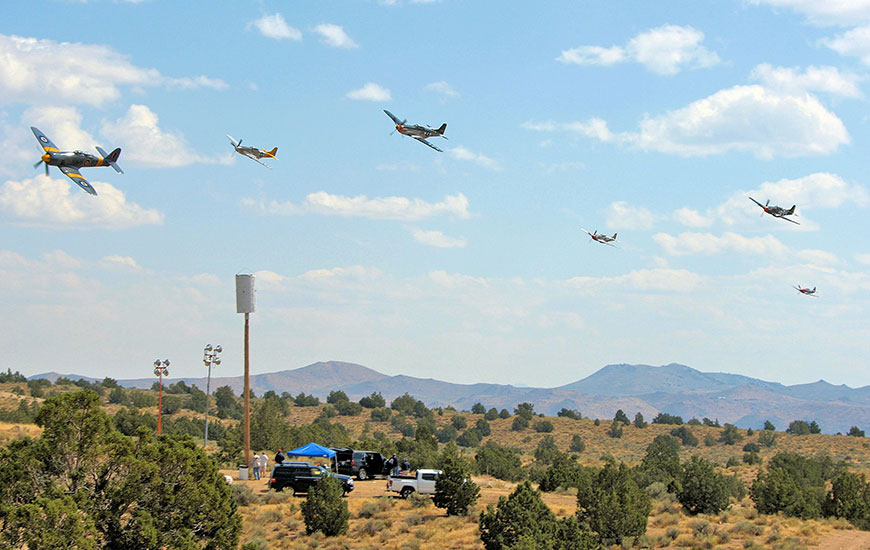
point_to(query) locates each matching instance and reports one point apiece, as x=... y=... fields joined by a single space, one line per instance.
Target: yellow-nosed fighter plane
x=253 y=153
x=69 y=162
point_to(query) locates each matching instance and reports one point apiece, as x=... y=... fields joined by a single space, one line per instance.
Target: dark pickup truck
x=362 y=464
x=300 y=476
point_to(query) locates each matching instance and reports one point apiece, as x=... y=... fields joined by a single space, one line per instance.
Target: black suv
x=302 y=475
x=362 y=464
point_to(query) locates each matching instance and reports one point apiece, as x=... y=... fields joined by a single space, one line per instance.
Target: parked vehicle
x=422 y=482
x=362 y=464
x=300 y=476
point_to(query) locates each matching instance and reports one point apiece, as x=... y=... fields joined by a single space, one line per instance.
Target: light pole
x=161 y=369
x=209 y=357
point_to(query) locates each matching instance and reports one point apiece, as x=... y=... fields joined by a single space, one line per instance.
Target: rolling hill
x=675 y=389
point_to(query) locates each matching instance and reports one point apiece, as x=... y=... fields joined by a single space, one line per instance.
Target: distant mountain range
x=675 y=389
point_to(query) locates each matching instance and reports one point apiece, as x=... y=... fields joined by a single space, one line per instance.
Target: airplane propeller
x=42 y=161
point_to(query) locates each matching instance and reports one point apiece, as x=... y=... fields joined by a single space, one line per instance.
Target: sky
x=652 y=120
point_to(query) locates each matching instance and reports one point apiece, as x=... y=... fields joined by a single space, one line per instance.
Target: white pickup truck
x=423 y=482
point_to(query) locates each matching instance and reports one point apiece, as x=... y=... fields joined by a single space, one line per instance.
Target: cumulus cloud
x=663 y=279
x=813 y=79
x=382 y=208
x=63 y=125
x=829 y=12
x=437 y=239
x=463 y=153
x=59 y=204
x=441 y=88
x=34 y=71
x=120 y=262
x=708 y=244
x=751 y=119
x=815 y=191
x=274 y=26
x=139 y=134
x=691 y=218
x=370 y=92
x=852 y=43
x=622 y=216
x=334 y=36
x=665 y=50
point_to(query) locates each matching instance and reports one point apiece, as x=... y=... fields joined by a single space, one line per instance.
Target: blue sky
x=654 y=120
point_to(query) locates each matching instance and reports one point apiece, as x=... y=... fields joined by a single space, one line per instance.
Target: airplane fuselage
x=74 y=159
x=415 y=130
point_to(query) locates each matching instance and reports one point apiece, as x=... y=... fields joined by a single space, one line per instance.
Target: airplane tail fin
x=112 y=158
x=272 y=152
x=790 y=210
x=614 y=236
x=441 y=130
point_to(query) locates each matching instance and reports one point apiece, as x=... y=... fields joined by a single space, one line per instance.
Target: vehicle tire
x=362 y=475
x=406 y=492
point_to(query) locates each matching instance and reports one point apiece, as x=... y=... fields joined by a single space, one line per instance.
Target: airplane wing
x=421 y=140
x=608 y=244
x=233 y=141
x=756 y=202
x=73 y=174
x=44 y=142
x=392 y=116
x=788 y=220
x=255 y=159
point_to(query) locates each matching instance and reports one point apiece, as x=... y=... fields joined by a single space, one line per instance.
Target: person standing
x=255 y=465
x=264 y=464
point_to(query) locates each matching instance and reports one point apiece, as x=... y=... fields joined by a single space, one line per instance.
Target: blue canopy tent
x=312 y=449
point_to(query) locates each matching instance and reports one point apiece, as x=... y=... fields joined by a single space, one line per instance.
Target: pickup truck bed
x=422 y=482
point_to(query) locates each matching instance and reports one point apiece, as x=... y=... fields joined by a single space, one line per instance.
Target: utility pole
x=245 y=304
x=209 y=357
x=161 y=369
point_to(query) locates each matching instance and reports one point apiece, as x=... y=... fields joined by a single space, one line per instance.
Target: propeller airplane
x=418 y=132
x=69 y=162
x=806 y=291
x=776 y=211
x=600 y=238
x=253 y=153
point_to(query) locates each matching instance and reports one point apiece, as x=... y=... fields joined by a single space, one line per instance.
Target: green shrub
x=577 y=445
x=613 y=505
x=454 y=489
x=324 y=510
x=519 y=424
x=703 y=490
x=499 y=461
x=543 y=426
x=685 y=436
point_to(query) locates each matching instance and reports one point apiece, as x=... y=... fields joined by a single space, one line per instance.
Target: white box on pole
x=244 y=293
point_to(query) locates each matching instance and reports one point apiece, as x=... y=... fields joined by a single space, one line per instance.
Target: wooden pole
x=159 y=404
x=247 y=390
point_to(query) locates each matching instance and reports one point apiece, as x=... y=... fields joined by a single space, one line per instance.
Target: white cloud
x=813 y=79
x=815 y=191
x=827 y=12
x=664 y=50
x=750 y=119
x=441 y=88
x=334 y=36
x=370 y=92
x=383 y=208
x=622 y=216
x=54 y=203
x=664 y=279
x=62 y=125
x=34 y=71
x=593 y=55
x=853 y=43
x=120 y=262
x=437 y=239
x=708 y=244
x=139 y=134
x=274 y=26
x=463 y=153
x=692 y=218
x=862 y=258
